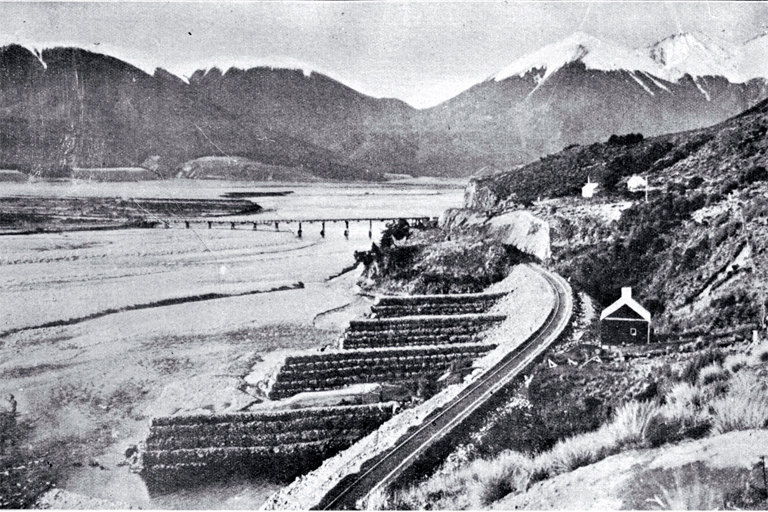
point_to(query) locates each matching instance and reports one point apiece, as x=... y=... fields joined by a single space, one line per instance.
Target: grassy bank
x=708 y=394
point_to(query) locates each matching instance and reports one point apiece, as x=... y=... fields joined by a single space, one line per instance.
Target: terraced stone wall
x=181 y=450
x=320 y=372
x=388 y=307
x=412 y=331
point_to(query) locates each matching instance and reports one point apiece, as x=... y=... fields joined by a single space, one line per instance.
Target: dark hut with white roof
x=625 y=321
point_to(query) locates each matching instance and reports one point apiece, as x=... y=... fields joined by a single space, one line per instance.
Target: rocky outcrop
x=479 y=196
x=518 y=228
x=522 y=230
x=456 y=219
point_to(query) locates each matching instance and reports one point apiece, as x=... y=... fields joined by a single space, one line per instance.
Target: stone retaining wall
x=388 y=307
x=282 y=444
x=420 y=330
x=335 y=370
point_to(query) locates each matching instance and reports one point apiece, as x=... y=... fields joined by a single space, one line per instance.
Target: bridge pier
x=255 y=226
x=231 y=225
x=186 y=223
x=210 y=224
x=322 y=230
x=370 y=229
x=346 y=229
x=277 y=226
x=299 y=232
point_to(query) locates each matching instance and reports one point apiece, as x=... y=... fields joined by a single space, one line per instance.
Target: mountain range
x=66 y=107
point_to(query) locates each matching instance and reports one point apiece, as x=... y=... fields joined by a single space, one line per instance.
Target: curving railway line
x=406 y=452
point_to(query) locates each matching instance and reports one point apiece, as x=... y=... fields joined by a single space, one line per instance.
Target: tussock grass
x=716 y=395
x=630 y=423
x=688 y=496
x=760 y=354
x=736 y=362
x=683 y=397
x=713 y=373
x=480 y=483
x=576 y=452
x=744 y=406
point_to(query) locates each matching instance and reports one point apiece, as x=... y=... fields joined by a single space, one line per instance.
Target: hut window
x=633 y=331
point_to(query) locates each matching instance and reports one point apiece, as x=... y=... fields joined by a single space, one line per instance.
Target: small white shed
x=637 y=183
x=589 y=189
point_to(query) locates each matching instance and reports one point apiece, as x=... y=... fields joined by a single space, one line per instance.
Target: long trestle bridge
x=274 y=224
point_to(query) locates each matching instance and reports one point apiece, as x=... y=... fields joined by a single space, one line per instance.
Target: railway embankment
x=312 y=411
x=527 y=303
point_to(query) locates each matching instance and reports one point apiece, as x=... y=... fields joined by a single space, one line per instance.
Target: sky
x=422 y=52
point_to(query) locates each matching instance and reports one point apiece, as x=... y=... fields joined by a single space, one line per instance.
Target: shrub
x=630 y=138
x=695 y=182
x=727 y=187
x=760 y=354
x=757 y=173
x=736 y=362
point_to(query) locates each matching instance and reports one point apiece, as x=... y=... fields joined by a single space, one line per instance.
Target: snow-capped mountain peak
x=591 y=51
x=695 y=55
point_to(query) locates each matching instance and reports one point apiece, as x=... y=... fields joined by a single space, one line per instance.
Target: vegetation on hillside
x=694 y=252
x=707 y=393
x=419 y=260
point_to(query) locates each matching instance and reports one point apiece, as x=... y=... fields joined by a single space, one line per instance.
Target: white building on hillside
x=589 y=189
x=637 y=183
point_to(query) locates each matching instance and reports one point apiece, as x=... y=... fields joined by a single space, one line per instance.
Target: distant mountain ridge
x=66 y=107
x=581 y=90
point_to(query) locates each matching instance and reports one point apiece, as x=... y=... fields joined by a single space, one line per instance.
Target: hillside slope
x=695 y=252
x=72 y=108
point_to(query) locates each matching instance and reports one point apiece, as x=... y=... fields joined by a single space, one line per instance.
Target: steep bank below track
x=528 y=308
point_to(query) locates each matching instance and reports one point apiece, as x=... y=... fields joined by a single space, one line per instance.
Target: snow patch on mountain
x=642 y=84
x=656 y=82
x=700 y=88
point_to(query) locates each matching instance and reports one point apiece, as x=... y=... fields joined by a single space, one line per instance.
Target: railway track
x=379 y=475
